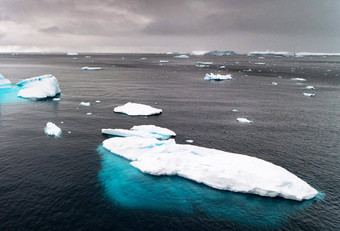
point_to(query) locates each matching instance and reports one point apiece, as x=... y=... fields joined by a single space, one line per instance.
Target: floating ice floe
x=145 y=131
x=189 y=141
x=163 y=61
x=234 y=110
x=91 y=68
x=72 y=53
x=56 y=99
x=217 y=77
x=310 y=87
x=244 y=120
x=86 y=104
x=52 y=130
x=260 y=63
x=135 y=109
x=298 y=79
x=309 y=94
x=4 y=83
x=89 y=113
x=217 y=169
x=271 y=53
x=222 y=67
x=181 y=57
x=274 y=83
x=39 y=87
x=97 y=101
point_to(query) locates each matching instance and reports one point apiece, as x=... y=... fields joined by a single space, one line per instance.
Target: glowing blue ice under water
x=127 y=187
x=9 y=95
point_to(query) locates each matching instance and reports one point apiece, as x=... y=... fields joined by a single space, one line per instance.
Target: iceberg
x=309 y=94
x=181 y=56
x=220 y=53
x=271 y=53
x=4 y=83
x=145 y=131
x=71 y=53
x=217 y=77
x=234 y=110
x=39 y=87
x=274 y=83
x=244 y=120
x=302 y=54
x=298 y=79
x=310 y=87
x=198 y=52
x=163 y=61
x=217 y=169
x=52 y=130
x=86 y=104
x=135 y=109
x=91 y=68
x=260 y=63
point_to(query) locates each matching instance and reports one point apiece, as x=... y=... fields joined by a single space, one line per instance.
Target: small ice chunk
x=274 y=83
x=87 y=104
x=97 y=101
x=135 y=109
x=56 y=99
x=217 y=77
x=89 y=113
x=71 y=53
x=310 y=87
x=260 y=63
x=142 y=58
x=91 y=68
x=52 y=130
x=163 y=61
x=189 y=141
x=309 y=94
x=244 y=120
x=235 y=110
x=298 y=79
x=222 y=67
x=202 y=65
x=181 y=57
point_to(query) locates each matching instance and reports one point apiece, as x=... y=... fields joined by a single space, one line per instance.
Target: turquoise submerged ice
x=39 y=87
x=4 y=83
x=217 y=169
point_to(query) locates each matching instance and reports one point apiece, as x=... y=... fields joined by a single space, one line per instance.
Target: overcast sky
x=169 y=25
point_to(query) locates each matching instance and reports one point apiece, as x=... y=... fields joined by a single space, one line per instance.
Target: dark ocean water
x=72 y=183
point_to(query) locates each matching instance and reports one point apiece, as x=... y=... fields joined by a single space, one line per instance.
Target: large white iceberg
x=271 y=53
x=4 y=83
x=217 y=169
x=145 y=131
x=217 y=77
x=301 y=54
x=220 y=53
x=135 y=109
x=52 y=130
x=39 y=87
x=198 y=52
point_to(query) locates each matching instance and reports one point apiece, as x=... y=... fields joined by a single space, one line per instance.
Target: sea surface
x=73 y=183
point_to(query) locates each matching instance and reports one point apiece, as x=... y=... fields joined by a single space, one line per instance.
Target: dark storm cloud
x=153 y=21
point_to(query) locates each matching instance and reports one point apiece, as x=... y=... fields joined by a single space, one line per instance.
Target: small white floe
x=74 y=58
x=145 y=131
x=39 y=87
x=72 y=53
x=274 y=83
x=298 y=79
x=260 y=63
x=222 y=67
x=89 y=113
x=244 y=120
x=163 y=61
x=189 y=141
x=310 y=87
x=97 y=101
x=52 y=130
x=61 y=122
x=235 y=110
x=309 y=94
x=87 y=104
x=202 y=66
x=181 y=57
x=91 y=68
x=217 y=77
x=142 y=58
x=56 y=99
x=69 y=132
x=135 y=109
x=271 y=53
x=248 y=70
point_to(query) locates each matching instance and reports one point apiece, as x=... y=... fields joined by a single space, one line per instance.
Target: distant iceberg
x=271 y=53
x=220 y=53
x=274 y=83
x=310 y=87
x=52 y=130
x=198 y=52
x=163 y=61
x=86 y=104
x=302 y=54
x=145 y=131
x=298 y=79
x=4 y=83
x=71 y=53
x=181 y=57
x=91 y=68
x=217 y=169
x=217 y=77
x=309 y=94
x=39 y=87
x=244 y=120
x=135 y=109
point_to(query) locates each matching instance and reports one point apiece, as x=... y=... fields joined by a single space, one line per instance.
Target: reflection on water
x=128 y=187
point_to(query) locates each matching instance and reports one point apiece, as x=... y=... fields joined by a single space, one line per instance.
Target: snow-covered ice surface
x=136 y=109
x=145 y=131
x=217 y=169
x=52 y=130
x=4 y=83
x=217 y=77
x=298 y=79
x=181 y=57
x=40 y=87
x=244 y=120
x=91 y=68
